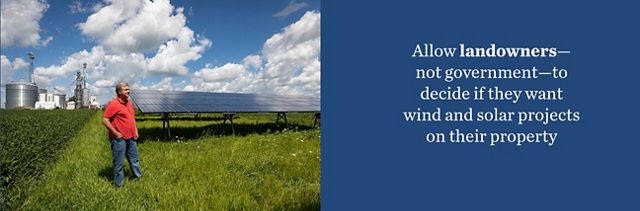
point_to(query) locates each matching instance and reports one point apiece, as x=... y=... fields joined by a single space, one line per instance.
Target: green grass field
x=204 y=168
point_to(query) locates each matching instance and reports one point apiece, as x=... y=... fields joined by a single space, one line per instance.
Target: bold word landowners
x=427 y=50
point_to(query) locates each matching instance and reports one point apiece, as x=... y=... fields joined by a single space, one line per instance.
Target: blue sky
x=249 y=46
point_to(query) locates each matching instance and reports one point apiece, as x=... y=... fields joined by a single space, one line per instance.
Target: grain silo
x=21 y=94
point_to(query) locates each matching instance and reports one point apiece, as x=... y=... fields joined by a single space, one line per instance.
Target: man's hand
x=118 y=134
x=107 y=124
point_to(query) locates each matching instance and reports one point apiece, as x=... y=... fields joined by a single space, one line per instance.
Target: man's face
x=124 y=92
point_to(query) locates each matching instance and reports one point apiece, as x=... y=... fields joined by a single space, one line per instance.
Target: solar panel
x=155 y=101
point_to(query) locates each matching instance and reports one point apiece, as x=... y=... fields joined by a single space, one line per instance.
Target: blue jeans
x=120 y=148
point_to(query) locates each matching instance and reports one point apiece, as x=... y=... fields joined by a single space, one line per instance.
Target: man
x=119 y=118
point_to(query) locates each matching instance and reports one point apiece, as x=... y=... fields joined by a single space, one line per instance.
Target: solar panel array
x=155 y=101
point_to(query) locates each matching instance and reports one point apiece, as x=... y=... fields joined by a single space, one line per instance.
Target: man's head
x=122 y=90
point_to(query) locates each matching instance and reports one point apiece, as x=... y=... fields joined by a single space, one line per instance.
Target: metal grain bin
x=21 y=94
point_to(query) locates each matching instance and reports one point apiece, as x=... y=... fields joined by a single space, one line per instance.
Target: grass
x=269 y=168
x=188 y=126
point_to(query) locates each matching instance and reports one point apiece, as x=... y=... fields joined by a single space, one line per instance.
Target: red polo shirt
x=122 y=117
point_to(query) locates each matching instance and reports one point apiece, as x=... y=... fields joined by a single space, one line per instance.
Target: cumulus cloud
x=164 y=84
x=289 y=64
x=134 y=26
x=172 y=56
x=72 y=63
x=291 y=8
x=290 y=51
x=77 y=7
x=19 y=23
x=224 y=73
x=230 y=77
x=10 y=68
x=253 y=61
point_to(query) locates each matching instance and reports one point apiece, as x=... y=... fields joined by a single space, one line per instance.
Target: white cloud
x=134 y=26
x=96 y=7
x=104 y=22
x=289 y=65
x=43 y=82
x=105 y=83
x=172 y=56
x=19 y=63
x=46 y=41
x=294 y=48
x=254 y=61
x=291 y=8
x=164 y=84
x=227 y=72
x=19 y=23
x=72 y=63
x=230 y=77
x=76 y=7
x=308 y=78
x=8 y=68
x=293 y=58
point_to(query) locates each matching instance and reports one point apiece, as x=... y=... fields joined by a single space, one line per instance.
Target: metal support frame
x=229 y=116
x=282 y=115
x=165 y=120
x=316 y=120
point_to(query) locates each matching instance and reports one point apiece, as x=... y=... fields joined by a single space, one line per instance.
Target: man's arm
x=107 y=124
